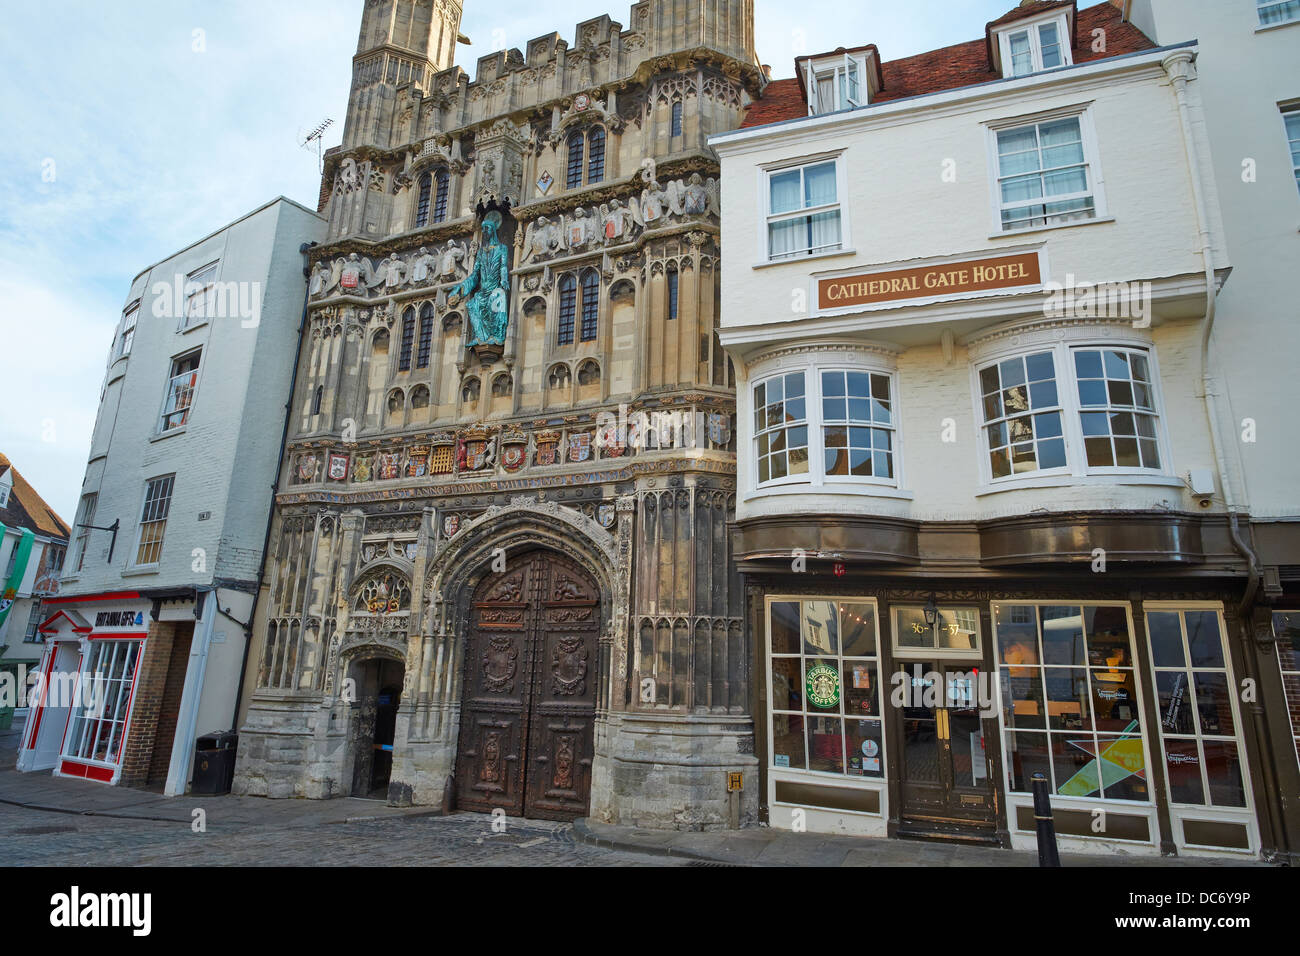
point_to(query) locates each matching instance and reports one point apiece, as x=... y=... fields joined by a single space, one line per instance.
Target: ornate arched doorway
x=527 y=716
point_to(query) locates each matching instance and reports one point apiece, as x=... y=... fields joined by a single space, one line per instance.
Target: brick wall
x=150 y=685
x=170 y=706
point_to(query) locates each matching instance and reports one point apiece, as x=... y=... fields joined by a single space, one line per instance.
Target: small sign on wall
x=735 y=781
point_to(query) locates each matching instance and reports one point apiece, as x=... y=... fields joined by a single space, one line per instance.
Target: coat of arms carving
x=569 y=666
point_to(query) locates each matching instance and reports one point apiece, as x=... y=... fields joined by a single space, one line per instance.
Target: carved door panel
x=494 y=716
x=526 y=736
x=564 y=695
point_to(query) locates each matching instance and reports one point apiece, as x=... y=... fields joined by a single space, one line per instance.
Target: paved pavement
x=47 y=820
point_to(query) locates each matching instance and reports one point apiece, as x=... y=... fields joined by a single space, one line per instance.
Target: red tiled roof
x=27 y=509
x=1030 y=9
x=964 y=64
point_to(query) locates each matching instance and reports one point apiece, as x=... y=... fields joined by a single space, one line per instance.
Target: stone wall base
x=292 y=748
x=669 y=772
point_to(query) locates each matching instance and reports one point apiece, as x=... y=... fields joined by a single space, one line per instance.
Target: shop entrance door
x=55 y=705
x=947 y=787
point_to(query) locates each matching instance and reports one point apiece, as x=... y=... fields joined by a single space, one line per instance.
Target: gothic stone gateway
x=435 y=459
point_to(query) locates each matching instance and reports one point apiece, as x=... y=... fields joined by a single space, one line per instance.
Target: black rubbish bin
x=214 y=762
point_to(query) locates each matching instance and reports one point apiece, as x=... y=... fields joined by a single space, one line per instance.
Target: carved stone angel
x=420 y=266
x=453 y=256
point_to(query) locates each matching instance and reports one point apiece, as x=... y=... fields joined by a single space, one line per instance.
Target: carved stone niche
x=499 y=162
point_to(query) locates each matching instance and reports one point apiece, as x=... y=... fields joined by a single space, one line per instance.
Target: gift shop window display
x=99 y=723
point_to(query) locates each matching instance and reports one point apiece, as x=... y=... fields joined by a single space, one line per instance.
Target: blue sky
x=129 y=135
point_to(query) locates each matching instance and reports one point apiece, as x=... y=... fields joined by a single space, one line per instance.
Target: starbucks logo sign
x=823 y=686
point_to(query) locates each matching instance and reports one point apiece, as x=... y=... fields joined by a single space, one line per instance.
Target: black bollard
x=1047 y=855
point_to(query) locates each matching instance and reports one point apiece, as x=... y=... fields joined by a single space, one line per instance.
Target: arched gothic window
x=408 y=340
x=568 y=308
x=590 y=305
x=422 y=203
x=586 y=152
x=443 y=183
x=426 y=336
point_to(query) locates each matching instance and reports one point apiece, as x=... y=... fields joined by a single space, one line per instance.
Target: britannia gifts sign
x=1018 y=271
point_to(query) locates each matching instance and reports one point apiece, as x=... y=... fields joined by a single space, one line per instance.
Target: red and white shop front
x=82 y=699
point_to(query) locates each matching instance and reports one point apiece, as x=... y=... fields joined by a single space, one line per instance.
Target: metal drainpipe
x=303 y=250
x=1179 y=67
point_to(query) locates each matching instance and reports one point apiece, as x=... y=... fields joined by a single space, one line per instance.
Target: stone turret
x=401 y=43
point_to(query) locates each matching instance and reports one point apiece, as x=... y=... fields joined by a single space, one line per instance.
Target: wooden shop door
x=527 y=716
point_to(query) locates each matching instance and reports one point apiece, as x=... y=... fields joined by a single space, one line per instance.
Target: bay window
x=1286 y=627
x=99 y=724
x=1117 y=408
x=1022 y=415
x=803 y=211
x=1070 y=410
x=781 y=427
x=823 y=425
x=857 y=425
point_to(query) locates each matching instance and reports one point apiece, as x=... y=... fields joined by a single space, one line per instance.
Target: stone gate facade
x=423 y=450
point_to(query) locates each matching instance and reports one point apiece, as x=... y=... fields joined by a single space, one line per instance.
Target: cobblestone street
x=41 y=838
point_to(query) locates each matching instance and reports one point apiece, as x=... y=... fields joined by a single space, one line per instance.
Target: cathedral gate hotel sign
x=1018 y=271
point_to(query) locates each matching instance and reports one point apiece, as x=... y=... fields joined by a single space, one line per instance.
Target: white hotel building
x=989 y=516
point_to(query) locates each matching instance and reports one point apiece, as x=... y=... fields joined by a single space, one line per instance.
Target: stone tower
x=531 y=527
x=401 y=43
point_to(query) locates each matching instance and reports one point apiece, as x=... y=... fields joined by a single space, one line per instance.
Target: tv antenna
x=316 y=136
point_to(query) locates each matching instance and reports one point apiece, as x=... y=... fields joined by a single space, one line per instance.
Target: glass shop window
x=824 y=671
x=1199 y=723
x=1068 y=693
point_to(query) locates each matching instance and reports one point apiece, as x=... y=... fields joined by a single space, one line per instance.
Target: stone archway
x=429 y=721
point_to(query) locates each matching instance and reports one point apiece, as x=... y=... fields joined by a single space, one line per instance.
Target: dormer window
x=839 y=80
x=1032 y=46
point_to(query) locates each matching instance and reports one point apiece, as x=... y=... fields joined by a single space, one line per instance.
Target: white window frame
x=816 y=480
x=1179 y=812
x=840 y=73
x=1091 y=162
x=31 y=635
x=122 y=347
x=206 y=279
x=1076 y=468
x=1032 y=27
x=893 y=427
x=86 y=514
x=765 y=174
x=140 y=522
x=163 y=428
x=789 y=479
x=825 y=777
x=118 y=713
x=1291 y=114
x=1014 y=797
x=1262 y=5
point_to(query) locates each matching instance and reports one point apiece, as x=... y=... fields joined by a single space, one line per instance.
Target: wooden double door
x=528 y=713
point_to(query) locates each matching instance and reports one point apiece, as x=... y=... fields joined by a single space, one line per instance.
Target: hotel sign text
x=943 y=279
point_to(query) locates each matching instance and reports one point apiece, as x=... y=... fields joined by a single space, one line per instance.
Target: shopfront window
x=99 y=725
x=1286 y=625
x=824 y=673
x=1198 y=713
x=1068 y=694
